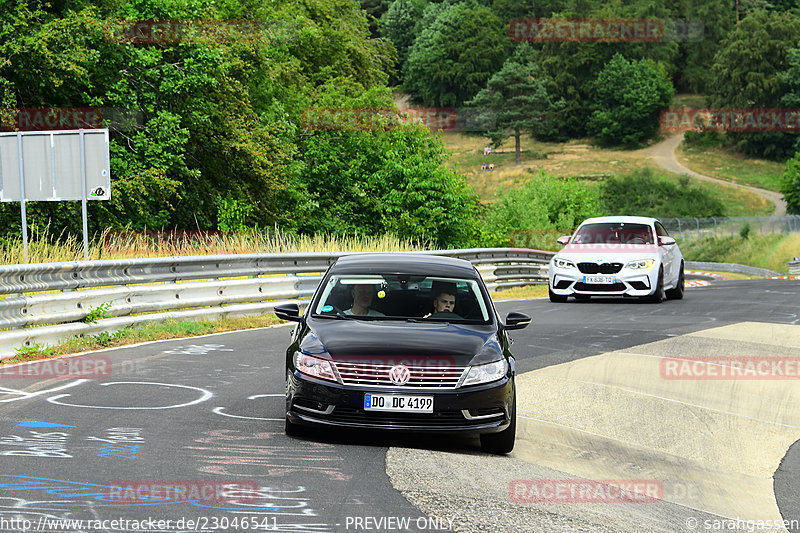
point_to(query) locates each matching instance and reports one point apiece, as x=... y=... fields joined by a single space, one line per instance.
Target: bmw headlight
x=563 y=263
x=486 y=373
x=641 y=263
x=314 y=366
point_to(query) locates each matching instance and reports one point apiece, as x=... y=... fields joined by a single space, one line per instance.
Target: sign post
x=51 y=166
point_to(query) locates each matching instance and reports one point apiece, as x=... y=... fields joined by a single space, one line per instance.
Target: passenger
x=362 y=300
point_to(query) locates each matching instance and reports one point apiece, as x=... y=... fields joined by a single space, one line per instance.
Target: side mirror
x=516 y=320
x=563 y=239
x=288 y=312
x=666 y=241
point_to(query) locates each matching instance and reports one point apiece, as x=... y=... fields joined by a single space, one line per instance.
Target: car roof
x=404 y=263
x=627 y=219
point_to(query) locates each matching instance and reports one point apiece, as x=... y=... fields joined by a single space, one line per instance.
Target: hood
x=396 y=340
x=620 y=253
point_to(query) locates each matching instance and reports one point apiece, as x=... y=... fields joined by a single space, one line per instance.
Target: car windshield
x=403 y=297
x=613 y=233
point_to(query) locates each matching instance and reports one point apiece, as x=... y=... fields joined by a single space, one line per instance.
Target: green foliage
x=453 y=56
x=515 y=100
x=745 y=231
x=398 y=24
x=747 y=74
x=543 y=202
x=703 y=139
x=30 y=352
x=574 y=66
x=232 y=213
x=697 y=57
x=97 y=313
x=629 y=96
x=790 y=185
x=104 y=338
x=646 y=194
x=378 y=182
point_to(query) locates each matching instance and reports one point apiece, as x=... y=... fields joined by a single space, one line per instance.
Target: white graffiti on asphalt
x=195 y=349
x=205 y=395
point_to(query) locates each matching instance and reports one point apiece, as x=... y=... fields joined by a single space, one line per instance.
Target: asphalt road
x=206 y=414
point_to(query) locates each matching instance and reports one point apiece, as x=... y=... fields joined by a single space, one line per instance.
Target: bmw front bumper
x=627 y=282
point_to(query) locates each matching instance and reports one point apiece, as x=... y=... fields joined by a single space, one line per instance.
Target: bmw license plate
x=398 y=403
x=600 y=280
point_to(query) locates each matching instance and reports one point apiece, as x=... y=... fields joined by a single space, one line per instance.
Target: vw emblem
x=399 y=374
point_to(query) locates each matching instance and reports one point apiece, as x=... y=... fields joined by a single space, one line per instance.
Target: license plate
x=398 y=403
x=600 y=280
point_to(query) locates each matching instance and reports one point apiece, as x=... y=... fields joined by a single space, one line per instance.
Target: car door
x=668 y=257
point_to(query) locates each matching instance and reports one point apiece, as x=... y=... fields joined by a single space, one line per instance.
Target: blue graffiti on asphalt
x=33 y=424
x=104 y=493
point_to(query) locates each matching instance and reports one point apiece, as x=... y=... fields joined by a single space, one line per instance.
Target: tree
x=746 y=71
x=629 y=96
x=398 y=24
x=574 y=66
x=543 y=202
x=694 y=68
x=790 y=185
x=453 y=57
x=791 y=78
x=378 y=179
x=516 y=100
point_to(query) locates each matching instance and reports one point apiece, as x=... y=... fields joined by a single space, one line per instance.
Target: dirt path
x=664 y=155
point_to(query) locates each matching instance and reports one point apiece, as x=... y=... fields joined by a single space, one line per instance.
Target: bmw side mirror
x=563 y=239
x=666 y=241
x=516 y=320
x=288 y=312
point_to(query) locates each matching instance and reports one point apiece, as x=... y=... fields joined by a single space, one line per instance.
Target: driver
x=444 y=300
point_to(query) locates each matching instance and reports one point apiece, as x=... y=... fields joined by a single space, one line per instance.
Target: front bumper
x=628 y=282
x=475 y=409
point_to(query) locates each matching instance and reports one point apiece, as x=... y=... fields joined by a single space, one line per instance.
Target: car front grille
x=597 y=287
x=599 y=268
x=443 y=418
x=377 y=375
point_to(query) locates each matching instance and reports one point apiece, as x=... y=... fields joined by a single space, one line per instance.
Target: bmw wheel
x=658 y=295
x=677 y=292
x=556 y=297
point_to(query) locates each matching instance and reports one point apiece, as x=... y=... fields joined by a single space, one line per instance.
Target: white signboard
x=54 y=165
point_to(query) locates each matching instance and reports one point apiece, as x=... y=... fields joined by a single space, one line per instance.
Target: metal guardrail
x=731 y=267
x=699 y=228
x=47 y=303
x=794 y=267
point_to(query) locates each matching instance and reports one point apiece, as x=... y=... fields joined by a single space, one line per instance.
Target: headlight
x=486 y=373
x=641 y=263
x=314 y=367
x=563 y=263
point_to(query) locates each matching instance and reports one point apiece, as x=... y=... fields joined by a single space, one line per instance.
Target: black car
x=402 y=342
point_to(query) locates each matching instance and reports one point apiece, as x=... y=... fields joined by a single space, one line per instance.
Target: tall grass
x=764 y=251
x=45 y=247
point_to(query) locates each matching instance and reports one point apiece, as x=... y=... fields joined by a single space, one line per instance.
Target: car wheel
x=677 y=292
x=502 y=442
x=583 y=297
x=556 y=297
x=658 y=296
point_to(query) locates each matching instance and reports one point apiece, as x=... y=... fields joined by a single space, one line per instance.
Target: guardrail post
x=715 y=226
x=680 y=233
x=698 y=227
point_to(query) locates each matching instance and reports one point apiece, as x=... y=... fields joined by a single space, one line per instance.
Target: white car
x=617 y=256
